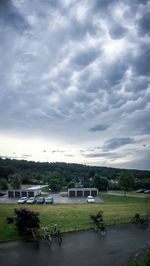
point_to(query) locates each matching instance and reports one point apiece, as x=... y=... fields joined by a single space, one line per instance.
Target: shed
x=82 y=192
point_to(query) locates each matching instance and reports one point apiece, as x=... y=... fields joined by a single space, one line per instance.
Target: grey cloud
x=144 y=24
x=85 y=57
x=10 y=16
x=57 y=77
x=26 y=155
x=140 y=123
x=141 y=60
x=115 y=143
x=101 y=5
x=100 y=127
x=140 y=161
x=137 y=84
x=100 y=154
x=117 y=31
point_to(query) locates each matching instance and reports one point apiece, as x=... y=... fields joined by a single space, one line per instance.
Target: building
x=29 y=192
x=82 y=192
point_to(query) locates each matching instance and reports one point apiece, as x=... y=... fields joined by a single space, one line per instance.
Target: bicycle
x=34 y=236
x=101 y=228
x=47 y=236
x=55 y=233
x=141 y=220
x=99 y=225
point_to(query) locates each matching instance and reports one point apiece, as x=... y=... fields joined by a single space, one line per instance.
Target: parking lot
x=57 y=197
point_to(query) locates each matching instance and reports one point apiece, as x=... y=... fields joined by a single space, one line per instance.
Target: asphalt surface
x=58 y=199
x=86 y=248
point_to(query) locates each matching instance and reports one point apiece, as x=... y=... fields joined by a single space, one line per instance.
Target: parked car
x=147 y=191
x=40 y=200
x=2 y=193
x=49 y=200
x=31 y=200
x=90 y=199
x=141 y=190
x=22 y=200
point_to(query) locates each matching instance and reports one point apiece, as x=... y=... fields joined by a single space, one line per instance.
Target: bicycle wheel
x=103 y=232
x=60 y=240
x=49 y=241
x=144 y=225
x=36 y=243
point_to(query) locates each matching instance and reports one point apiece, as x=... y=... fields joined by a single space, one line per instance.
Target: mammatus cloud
x=64 y=76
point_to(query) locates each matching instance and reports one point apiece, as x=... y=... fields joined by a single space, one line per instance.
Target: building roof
x=81 y=189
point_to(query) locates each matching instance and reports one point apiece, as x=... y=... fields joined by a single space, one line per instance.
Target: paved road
x=79 y=249
x=128 y=195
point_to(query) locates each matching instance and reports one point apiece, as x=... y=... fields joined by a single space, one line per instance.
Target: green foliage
x=78 y=185
x=144 y=262
x=3 y=184
x=55 y=184
x=56 y=181
x=100 y=183
x=16 y=183
x=25 y=220
x=42 y=171
x=113 y=185
x=126 y=181
x=71 y=184
x=143 y=183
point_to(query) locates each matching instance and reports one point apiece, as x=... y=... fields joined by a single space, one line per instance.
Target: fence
x=89 y=224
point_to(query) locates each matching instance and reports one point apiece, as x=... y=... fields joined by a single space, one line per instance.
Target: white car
x=90 y=199
x=31 y=200
x=22 y=200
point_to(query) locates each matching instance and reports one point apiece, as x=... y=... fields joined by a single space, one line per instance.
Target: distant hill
x=11 y=166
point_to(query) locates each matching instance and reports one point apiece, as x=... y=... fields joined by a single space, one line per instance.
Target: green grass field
x=117 y=210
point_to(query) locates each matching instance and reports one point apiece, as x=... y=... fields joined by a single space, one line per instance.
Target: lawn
x=117 y=209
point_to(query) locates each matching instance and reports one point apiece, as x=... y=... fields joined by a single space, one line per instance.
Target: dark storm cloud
x=85 y=57
x=117 y=31
x=141 y=60
x=9 y=16
x=115 y=143
x=144 y=24
x=100 y=127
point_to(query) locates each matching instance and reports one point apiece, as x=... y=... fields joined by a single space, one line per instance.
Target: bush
x=24 y=220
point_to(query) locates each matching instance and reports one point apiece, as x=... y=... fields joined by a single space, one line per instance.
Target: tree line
x=66 y=175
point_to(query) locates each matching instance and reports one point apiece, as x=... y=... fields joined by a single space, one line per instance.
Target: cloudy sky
x=74 y=81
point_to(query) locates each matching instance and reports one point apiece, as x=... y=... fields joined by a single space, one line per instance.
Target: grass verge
x=117 y=210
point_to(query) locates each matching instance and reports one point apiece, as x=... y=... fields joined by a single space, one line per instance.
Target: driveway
x=85 y=248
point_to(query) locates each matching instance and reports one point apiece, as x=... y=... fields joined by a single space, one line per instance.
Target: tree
x=126 y=181
x=55 y=185
x=25 y=220
x=100 y=183
x=3 y=184
x=16 y=183
x=56 y=181
x=71 y=184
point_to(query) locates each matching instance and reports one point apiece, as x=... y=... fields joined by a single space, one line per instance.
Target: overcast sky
x=74 y=81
